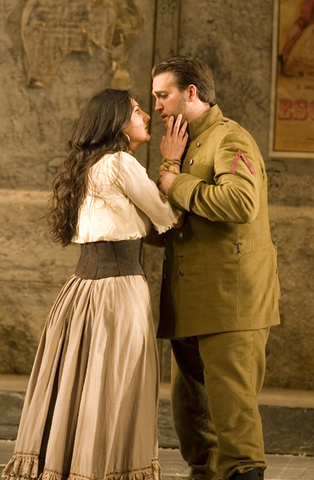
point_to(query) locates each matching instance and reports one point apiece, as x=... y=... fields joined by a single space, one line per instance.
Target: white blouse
x=122 y=202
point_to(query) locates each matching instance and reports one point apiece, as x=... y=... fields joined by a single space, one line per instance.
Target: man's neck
x=198 y=109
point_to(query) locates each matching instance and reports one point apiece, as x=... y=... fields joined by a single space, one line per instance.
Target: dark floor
x=281 y=467
x=288 y=418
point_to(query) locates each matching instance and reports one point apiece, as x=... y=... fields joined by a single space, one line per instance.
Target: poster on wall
x=292 y=102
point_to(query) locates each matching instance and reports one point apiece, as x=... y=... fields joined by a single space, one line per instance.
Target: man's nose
x=158 y=105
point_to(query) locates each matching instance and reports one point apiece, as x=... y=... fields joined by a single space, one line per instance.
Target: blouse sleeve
x=131 y=178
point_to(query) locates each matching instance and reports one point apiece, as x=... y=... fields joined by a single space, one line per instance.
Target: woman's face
x=136 y=129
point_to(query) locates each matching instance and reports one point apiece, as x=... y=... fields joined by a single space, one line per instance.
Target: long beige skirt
x=90 y=410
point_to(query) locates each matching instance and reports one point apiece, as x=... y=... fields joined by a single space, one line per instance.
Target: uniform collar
x=205 y=121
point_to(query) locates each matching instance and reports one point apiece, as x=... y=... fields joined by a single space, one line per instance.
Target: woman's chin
x=147 y=139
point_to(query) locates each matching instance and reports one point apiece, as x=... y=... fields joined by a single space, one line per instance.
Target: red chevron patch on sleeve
x=235 y=162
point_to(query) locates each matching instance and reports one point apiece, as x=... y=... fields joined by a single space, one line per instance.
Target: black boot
x=256 y=474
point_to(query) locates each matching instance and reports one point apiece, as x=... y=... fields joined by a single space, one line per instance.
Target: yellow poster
x=292 y=122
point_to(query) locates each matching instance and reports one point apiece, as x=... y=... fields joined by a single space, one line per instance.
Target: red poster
x=292 y=132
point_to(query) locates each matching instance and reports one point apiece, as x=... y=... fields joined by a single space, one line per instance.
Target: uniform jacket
x=220 y=267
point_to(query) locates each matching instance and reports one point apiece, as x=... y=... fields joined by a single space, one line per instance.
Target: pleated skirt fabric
x=90 y=410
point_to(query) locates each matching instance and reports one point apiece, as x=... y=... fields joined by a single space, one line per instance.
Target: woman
x=90 y=411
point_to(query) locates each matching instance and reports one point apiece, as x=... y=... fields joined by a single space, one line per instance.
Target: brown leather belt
x=110 y=259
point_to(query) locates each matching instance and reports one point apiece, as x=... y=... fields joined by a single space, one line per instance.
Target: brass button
x=191 y=161
x=198 y=145
x=181 y=234
x=165 y=276
x=181 y=273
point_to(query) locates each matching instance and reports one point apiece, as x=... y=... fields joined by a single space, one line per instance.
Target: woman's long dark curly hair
x=99 y=130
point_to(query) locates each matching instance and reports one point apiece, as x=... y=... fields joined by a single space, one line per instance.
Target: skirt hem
x=25 y=467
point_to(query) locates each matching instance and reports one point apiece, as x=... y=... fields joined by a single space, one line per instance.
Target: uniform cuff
x=182 y=190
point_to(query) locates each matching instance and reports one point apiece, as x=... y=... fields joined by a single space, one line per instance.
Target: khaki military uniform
x=219 y=277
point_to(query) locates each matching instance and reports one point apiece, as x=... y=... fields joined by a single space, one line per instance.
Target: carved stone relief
x=168 y=28
x=51 y=29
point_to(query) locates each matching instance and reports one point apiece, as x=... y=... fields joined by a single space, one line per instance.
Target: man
x=220 y=287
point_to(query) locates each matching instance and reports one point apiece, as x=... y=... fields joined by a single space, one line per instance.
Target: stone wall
x=38 y=111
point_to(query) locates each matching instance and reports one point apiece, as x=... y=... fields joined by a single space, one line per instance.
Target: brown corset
x=110 y=259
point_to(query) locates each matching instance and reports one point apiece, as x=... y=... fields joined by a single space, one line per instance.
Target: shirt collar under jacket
x=205 y=121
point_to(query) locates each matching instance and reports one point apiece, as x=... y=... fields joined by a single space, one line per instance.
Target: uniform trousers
x=216 y=379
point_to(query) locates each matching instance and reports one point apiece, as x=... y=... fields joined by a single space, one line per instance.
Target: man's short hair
x=189 y=71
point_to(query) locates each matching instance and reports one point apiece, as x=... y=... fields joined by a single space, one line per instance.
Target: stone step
x=287 y=415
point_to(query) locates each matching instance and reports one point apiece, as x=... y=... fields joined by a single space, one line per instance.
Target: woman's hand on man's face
x=174 y=142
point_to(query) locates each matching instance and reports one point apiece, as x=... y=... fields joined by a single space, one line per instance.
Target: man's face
x=169 y=100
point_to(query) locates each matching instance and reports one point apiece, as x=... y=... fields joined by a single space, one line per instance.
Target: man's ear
x=192 y=92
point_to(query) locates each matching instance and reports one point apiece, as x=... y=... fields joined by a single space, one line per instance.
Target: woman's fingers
x=173 y=143
x=183 y=128
x=170 y=126
x=176 y=128
x=177 y=124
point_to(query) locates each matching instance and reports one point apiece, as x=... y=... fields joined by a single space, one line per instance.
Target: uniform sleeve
x=131 y=178
x=238 y=177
